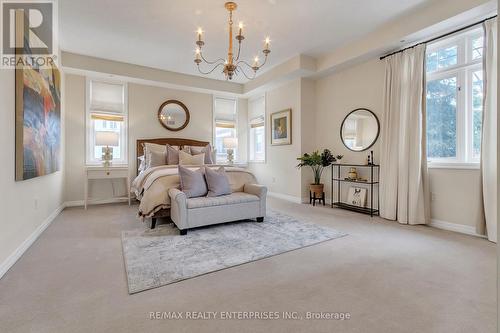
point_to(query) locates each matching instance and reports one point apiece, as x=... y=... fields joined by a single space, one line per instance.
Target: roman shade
x=107 y=97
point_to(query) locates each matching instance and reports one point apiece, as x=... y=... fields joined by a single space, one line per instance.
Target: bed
x=151 y=186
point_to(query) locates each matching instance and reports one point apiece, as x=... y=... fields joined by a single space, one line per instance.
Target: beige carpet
x=390 y=278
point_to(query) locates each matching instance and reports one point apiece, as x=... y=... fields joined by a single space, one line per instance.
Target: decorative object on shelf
x=370 y=185
x=281 y=128
x=317 y=162
x=370 y=158
x=231 y=65
x=173 y=115
x=107 y=140
x=360 y=130
x=357 y=196
x=353 y=174
x=230 y=144
x=38 y=115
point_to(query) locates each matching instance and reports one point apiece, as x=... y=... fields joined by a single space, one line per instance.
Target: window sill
x=460 y=166
x=234 y=164
x=257 y=162
x=100 y=164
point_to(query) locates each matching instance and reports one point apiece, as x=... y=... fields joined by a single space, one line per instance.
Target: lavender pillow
x=207 y=150
x=192 y=182
x=217 y=181
x=172 y=155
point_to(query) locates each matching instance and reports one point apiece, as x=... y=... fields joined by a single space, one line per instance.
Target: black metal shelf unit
x=372 y=185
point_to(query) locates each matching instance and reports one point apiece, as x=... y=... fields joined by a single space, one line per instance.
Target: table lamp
x=107 y=139
x=230 y=144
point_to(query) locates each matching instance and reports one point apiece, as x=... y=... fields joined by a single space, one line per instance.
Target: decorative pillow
x=156 y=159
x=188 y=159
x=217 y=182
x=207 y=150
x=172 y=155
x=192 y=182
x=150 y=147
x=142 y=163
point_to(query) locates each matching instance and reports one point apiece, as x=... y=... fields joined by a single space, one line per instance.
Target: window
x=106 y=114
x=454 y=99
x=225 y=125
x=257 y=130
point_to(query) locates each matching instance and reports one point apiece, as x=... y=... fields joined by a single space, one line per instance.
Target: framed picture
x=38 y=117
x=281 y=128
x=356 y=196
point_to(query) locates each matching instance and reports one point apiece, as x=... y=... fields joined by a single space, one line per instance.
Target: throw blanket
x=152 y=185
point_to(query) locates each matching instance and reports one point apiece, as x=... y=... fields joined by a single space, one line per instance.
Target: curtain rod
x=438 y=37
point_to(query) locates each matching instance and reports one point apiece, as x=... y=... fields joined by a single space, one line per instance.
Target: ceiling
x=161 y=33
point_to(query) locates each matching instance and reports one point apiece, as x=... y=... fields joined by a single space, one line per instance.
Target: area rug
x=158 y=257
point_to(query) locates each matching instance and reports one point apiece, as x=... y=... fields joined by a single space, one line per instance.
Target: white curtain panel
x=403 y=174
x=489 y=138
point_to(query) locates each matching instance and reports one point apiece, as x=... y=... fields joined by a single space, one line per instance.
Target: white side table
x=101 y=172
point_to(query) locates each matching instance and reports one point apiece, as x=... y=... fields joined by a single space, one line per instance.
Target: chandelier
x=231 y=66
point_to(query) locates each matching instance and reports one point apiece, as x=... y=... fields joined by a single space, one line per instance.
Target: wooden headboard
x=164 y=141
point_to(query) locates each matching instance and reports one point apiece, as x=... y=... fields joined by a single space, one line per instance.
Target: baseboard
x=21 y=249
x=460 y=228
x=286 y=197
x=80 y=203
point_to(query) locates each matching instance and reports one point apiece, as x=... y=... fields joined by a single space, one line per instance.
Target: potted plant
x=317 y=162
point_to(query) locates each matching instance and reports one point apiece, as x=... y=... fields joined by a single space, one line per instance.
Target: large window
x=257 y=130
x=454 y=99
x=225 y=126
x=106 y=120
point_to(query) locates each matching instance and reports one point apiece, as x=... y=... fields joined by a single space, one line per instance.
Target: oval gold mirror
x=359 y=130
x=173 y=115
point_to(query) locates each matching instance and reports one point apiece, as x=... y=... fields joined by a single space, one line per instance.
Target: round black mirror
x=360 y=129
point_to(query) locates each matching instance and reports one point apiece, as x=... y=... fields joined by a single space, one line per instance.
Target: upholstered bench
x=190 y=213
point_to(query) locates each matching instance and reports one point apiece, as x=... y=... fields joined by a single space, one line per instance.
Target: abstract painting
x=281 y=127
x=38 y=120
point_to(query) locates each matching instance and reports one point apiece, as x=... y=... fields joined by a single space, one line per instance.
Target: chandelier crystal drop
x=231 y=66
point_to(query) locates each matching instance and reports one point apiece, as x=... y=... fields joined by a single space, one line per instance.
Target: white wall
x=279 y=172
x=308 y=122
x=338 y=94
x=21 y=217
x=242 y=130
x=456 y=196
x=456 y=193
x=143 y=104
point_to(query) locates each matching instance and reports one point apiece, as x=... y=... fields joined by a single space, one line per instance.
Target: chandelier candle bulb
x=256 y=62
x=200 y=33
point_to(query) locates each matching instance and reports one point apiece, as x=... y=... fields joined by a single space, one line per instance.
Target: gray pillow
x=200 y=150
x=156 y=159
x=192 y=182
x=172 y=155
x=217 y=181
x=152 y=147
